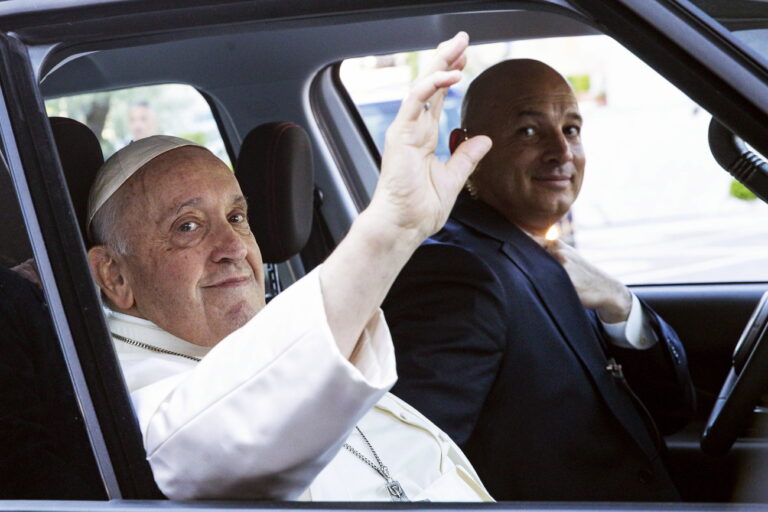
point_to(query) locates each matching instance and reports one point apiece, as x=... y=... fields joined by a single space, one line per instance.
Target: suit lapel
x=565 y=310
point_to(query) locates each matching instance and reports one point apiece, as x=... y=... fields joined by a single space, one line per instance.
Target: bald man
x=550 y=374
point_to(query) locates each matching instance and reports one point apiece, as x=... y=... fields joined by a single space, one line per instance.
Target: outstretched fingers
x=443 y=71
x=449 y=54
x=429 y=89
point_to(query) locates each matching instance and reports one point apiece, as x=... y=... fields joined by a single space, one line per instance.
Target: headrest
x=81 y=156
x=14 y=241
x=275 y=171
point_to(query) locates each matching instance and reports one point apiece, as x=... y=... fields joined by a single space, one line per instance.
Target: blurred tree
x=96 y=114
x=178 y=110
x=739 y=191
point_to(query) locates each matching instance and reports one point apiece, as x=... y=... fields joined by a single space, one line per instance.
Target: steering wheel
x=744 y=386
x=748 y=378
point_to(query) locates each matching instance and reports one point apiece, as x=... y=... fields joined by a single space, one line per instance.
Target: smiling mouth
x=553 y=177
x=230 y=282
x=554 y=180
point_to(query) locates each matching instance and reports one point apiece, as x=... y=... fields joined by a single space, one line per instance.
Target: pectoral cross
x=396 y=491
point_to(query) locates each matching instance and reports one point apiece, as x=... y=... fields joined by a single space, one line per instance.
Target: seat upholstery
x=14 y=243
x=81 y=156
x=276 y=174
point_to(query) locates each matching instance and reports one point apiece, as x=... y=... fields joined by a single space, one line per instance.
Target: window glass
x=120 y=116
x=747 y=20
x=655 y=207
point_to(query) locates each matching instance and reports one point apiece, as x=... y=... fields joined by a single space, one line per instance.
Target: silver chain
x=381 y=468
x=396 y=491
x=152 y=348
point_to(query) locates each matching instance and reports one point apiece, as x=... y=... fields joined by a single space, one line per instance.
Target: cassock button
x=645 y=476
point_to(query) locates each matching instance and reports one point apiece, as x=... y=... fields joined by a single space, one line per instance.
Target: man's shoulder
x=453 y=248
x=449 y=261
x=16 y=293
x=457 y=232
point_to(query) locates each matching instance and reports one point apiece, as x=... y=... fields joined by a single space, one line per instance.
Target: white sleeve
x=636 y=332
x=267 y=408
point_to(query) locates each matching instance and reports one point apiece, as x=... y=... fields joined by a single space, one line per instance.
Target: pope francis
x=237 y=400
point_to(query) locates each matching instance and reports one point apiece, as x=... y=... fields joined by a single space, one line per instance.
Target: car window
x=748 y=21
x=117 y=117
x=655 y=207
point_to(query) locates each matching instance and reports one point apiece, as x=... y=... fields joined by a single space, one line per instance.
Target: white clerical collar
x=146 y=332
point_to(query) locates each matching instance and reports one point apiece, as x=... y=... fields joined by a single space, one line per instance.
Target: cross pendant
x=396 y=492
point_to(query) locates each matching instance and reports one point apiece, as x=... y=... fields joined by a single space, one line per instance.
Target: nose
x=558 y=148
x=228 y=244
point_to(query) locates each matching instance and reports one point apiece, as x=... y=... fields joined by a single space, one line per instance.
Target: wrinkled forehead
x=515 y=86
x=504 y=109
x=187 y=176
x=554 y=104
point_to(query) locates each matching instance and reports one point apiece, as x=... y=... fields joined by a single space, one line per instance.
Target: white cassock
x=265 y=413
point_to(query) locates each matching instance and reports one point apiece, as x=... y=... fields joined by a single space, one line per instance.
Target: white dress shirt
x=636 y=332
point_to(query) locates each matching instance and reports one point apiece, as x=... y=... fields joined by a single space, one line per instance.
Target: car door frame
x=71 y=296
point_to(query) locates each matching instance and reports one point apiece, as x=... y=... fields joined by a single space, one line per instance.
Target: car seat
x=81 y=156
x=276 y=174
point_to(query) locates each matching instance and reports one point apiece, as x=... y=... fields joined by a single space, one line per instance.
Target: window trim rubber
x=354 y=112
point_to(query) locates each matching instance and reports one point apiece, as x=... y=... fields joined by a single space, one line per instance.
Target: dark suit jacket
x=494 y=346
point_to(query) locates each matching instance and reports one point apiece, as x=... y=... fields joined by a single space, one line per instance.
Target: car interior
x=271 y=77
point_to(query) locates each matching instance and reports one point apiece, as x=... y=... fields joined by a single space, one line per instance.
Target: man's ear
x=457 y=136
x=107 y=271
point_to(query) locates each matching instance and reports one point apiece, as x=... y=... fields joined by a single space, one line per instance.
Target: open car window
x=655 y=206
x=120 y=116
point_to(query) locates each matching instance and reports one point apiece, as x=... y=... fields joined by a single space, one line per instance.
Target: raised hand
x=412 y=200
x=416 y=191
x=596 y=289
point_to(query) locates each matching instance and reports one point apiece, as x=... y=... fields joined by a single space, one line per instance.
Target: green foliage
x=412 y=59
x=580 y=83
x=739 y=191
x=196 y=137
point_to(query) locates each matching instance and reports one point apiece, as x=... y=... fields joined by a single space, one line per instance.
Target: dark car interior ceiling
x=265 y=86
x=205 y=61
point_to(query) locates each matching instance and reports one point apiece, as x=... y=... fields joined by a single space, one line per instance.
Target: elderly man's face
x=193 y=266
x=535 y=169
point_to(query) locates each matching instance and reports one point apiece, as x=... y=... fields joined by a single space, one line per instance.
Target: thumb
x=466 y=157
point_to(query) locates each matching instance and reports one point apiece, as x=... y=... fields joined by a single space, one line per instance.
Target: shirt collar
x=144 y=331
